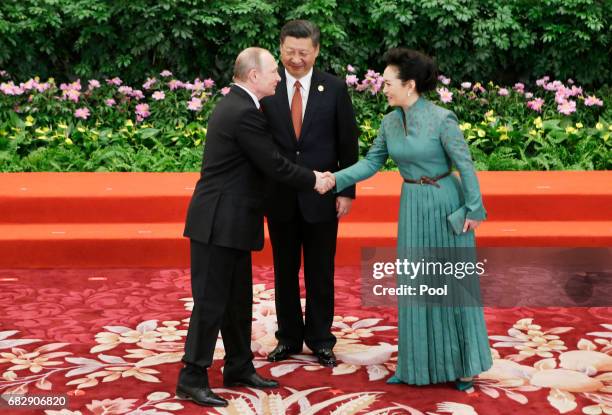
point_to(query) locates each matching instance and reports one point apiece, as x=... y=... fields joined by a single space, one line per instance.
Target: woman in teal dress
x=436 y=344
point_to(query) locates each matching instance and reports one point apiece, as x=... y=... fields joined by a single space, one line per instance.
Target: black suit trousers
x=222 y=287
x=318 y=241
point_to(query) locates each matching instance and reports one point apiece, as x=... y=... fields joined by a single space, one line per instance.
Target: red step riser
x=365 y=209
x=548 y=207
x=92 y=210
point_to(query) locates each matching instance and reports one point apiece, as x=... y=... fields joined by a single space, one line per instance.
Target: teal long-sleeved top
x=425 y=140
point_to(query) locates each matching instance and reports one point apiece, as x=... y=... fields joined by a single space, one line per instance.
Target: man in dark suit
x=225 y=223
x=313 y=123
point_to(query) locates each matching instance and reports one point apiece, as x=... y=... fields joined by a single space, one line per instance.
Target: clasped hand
x=325 y=182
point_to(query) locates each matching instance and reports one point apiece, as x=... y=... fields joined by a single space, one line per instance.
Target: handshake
x=325 y=182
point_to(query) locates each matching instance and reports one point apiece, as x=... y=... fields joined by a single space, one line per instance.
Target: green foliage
x=41 y=128
x=78 y=148
x=502 y=40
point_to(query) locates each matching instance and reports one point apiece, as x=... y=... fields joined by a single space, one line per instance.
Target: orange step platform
x=136 y=219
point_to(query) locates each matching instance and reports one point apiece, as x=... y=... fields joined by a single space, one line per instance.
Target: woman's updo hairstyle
x=414 y=65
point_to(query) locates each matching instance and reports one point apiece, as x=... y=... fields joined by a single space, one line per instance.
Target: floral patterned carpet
x=111 y=340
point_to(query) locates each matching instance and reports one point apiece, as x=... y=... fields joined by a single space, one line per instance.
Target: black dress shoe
x=326 y=357
x=282 y=352
x=253 y=380
x=202 y=396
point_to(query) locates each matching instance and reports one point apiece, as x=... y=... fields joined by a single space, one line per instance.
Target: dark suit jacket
x=227 y=205
x=328 y=142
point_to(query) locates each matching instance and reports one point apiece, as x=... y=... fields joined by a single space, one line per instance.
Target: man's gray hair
x=248 y=59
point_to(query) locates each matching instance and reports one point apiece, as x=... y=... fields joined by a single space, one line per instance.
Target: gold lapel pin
x=320 y=88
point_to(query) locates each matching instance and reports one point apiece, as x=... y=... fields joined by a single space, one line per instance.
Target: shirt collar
x=252 y=95
x=304 y=81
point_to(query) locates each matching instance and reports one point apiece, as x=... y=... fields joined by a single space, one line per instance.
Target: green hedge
x=502 y=40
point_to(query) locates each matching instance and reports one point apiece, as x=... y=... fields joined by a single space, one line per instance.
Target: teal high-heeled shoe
x=394 y=380
x=463 y=385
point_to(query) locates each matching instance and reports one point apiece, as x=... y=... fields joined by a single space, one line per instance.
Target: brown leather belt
x=428 y=180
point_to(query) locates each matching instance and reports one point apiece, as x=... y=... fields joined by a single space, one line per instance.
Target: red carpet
x=111 y=340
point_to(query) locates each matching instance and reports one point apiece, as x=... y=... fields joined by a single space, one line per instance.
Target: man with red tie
x=312 y=120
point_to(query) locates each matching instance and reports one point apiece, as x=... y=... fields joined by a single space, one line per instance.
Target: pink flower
x=478 y=88
x=528 y=95
x=165 y=73
x=195 y=104
x=225 y=90
x=175 y=84
x=196 y=86
x=377 y=85
x=536 y=104
x=93 y=84
x=3 y=73
x=575 y=91
x=352 y=80
x=542 y=81
x=350 y=69
x=115 y=81
x=519 y=87
x=76 y=85
x=158 y=95
x=125 y=90
x=466 y=85
x=10 y=88
x=30 y=84
x=554 y=86
x=142 y=110
x=149 y=83
x=110 y=102
x=503 y=92
x=593 y=100
x=570 y=81
x=562 y=94
x=137 y=93
x=43 y=87
x=82 y=113
x=445 y=95
x=567 y=107
x=71 y=94
x=373 y=81
x=209 y=83
x=444 y=80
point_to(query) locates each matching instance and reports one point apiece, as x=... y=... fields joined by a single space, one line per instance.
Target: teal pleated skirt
x=437 y=343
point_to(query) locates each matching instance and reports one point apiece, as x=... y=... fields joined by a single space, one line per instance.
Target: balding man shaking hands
x=225 y=223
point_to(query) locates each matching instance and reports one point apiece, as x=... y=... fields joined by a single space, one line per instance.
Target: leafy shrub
x=503 y=40
x=110 y=126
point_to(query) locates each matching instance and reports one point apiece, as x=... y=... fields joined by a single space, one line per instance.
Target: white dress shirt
x=255 y=100
x=304 y=90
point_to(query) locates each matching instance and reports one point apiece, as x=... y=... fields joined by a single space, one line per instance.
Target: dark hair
x=301 y=29
x=414 y=65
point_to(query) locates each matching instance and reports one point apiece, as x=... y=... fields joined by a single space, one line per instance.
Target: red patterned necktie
x=296 y=110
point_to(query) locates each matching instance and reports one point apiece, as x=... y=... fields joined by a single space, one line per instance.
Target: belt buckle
x=421 y=181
